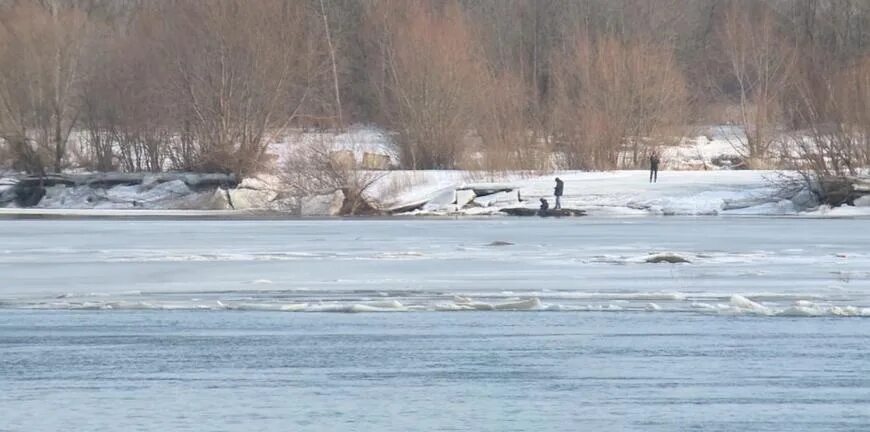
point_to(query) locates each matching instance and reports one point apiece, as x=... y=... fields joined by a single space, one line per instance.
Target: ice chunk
x=743 y=303
x=244 y=199
x=463 y=197
x=500 y=199
x=323 y=205
x=527 y=304
x=442 y=200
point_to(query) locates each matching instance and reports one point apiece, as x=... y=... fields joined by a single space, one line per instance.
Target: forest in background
x=148 y=85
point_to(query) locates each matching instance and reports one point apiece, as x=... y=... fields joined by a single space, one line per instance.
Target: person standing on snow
x=654 y=167
x=560 y=186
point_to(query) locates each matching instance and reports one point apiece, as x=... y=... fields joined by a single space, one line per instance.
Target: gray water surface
x=473 y=371
x=466 y=325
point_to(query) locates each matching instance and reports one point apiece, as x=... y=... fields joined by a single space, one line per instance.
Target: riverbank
x=443 y=193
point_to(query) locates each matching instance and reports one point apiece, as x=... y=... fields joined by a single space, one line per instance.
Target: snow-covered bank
x=614 y=193
x=623 y=193
x=139 y=193
x=697 y=180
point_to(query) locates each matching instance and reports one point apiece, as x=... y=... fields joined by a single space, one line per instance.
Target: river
x=490 y=324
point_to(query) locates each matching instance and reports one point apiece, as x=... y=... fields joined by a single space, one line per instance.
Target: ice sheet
x=734 y=265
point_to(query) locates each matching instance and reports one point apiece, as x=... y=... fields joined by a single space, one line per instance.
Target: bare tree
x=508 y=140
x=127 y=116
x=241 y=72
x=328 y=34
x=834 y=105
x=434 y=73
x=492 y=84
x=319 y=169
x=41 y=56
x=614 y=97
x=760 y=63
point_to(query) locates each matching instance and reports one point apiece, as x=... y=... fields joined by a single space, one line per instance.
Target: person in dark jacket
x=544 y=206
x=654 y=167
x=560 y=186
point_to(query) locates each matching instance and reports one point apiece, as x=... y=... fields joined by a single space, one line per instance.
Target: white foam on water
x=738 y=305
x=393 y=306
x=294 y=307
x=461 y=303
x=810 y=309
x=262 y=282
x=641 y=296
x=770 y=304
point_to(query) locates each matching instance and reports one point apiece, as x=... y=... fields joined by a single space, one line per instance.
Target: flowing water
x=496 y=324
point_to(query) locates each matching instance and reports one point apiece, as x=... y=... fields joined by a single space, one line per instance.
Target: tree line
x=146 y=85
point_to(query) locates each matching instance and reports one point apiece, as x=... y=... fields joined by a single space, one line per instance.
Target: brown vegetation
x=482 y=84
x=759 y=62
x=434 y=75
x=835 y=108
x=611 y=96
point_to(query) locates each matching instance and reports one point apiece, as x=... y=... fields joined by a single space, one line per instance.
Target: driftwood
x=523 y=211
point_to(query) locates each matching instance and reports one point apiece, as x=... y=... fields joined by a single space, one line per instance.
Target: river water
x=495 y=324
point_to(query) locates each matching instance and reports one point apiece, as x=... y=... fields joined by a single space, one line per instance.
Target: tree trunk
x=334 y=68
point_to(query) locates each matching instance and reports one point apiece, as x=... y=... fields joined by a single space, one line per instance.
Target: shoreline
x=449 y=194
x=7 y=214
